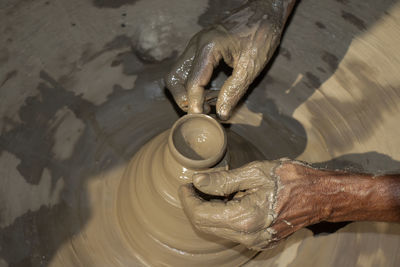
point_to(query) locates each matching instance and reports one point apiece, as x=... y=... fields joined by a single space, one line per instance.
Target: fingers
x=226 y=182
x=256 y=241
x=176 y=79
x=188 y=92
x=204 y=63
x=235 y=87
x=180 y=96
x=239 y=215
x=208 y=213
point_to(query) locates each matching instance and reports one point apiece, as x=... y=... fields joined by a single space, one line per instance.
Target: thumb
x=223 y=183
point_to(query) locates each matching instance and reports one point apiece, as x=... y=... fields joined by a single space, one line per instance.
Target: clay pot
x=149 y=209
x=197 y=141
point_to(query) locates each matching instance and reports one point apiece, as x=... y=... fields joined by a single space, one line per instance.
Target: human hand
x=247 y=217
x=274 y=199
x=245 y=40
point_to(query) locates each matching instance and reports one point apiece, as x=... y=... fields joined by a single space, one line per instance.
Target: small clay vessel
x=149 y=210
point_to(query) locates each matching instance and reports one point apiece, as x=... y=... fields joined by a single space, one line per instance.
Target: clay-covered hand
x=247 y=217
x=245 y=40
x=275 y=199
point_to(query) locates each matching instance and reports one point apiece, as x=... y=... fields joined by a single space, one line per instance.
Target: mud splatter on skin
x=112 y=3
x=356 y=21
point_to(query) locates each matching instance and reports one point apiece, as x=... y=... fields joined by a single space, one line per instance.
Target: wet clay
x=197 y=141
x=149 y=210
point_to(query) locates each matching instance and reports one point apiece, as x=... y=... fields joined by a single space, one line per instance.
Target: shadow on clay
x=311 y=50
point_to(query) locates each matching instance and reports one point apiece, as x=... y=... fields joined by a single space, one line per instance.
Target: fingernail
x=224 y=112
x=201 y=180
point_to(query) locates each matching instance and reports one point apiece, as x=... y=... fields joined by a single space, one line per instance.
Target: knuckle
x=255 y=220
x=256 y=168
x=255 y=164
x=245 y=226
x=221 y=178
x=247 y=240
x=223 y=182
x=250 y=224
x=208 y=48
x=260 y=241
x=259 y=246
x=172 y=82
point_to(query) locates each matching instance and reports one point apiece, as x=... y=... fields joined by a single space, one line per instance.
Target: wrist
x=363 y=197
x=334 y=196
x=302 y=186
x=306 y=196
x=296 y=199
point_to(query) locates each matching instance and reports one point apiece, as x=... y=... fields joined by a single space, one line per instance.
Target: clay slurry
x=198 y=139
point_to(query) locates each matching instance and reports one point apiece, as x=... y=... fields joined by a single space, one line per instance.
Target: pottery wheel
x=81 y=91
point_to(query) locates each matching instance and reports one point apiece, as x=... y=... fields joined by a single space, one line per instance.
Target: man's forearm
x=363 y=197
x=307 y=196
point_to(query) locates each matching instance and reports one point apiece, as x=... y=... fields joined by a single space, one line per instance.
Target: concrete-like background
x=81 y=90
